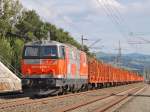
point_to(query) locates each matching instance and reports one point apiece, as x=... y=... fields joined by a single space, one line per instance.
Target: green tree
x=6 y=50
x=31 y=26
x=17 y=48
x=19 y=26
x=12 y=13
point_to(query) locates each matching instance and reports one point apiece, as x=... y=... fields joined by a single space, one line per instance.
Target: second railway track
x=102 y=104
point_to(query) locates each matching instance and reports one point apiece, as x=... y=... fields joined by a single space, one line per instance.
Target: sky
x=106 y=21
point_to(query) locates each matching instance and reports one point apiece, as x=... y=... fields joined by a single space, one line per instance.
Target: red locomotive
x=51 y=67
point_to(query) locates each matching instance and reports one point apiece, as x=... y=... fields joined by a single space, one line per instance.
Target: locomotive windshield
x=41 y=52
x=31 y=51
x=48 y=51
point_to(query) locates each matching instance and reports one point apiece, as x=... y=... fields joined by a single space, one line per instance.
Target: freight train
x=50 y=67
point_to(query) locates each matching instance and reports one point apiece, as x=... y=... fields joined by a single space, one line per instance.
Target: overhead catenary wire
x=110 y=15
x=115 y=19
x=90 y=46
x=115 y=15
x=140 y=36
x=130 y=32
x=121 y=18
x=121 y=22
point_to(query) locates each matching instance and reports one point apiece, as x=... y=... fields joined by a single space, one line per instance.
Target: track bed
x=69 y=102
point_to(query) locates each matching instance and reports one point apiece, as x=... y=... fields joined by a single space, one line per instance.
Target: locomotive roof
x=48 y=42
x=43 y=43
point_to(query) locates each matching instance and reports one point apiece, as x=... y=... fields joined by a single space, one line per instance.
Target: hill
x=134 y=61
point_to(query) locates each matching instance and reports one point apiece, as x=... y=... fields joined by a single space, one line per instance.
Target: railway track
x=11 y=95
x=120 y=96
x=5 y=104
x=118 y=100
x=89 y=95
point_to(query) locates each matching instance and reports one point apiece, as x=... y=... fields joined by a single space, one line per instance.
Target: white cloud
x=88 y=17
x=138 y=7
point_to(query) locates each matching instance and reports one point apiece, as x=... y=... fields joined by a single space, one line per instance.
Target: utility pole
x=119 y=53
x=118 y=58
x=82 y=42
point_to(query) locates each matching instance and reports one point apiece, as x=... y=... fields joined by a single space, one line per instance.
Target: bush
x=6 y=50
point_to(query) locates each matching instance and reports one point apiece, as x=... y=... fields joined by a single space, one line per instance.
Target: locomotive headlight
x=54 y=62
x=50 y=82
x=51 y=62
x=28 y=71
x=60 y=76
x=26 y=81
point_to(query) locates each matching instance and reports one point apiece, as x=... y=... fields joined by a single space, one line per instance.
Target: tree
x=31 y=26
x=19 y=26
x=12 y=13
x=5 y=50
x=17 y=48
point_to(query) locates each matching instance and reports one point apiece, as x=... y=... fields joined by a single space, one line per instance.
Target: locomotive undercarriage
x=52 y=86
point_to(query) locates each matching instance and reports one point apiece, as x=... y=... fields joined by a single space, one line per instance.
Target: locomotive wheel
x=72 y=89
x=60 y=91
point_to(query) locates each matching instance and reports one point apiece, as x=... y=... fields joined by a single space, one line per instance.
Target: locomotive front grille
x=32 y=61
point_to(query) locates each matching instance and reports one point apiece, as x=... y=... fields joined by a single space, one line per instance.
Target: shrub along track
x=63 y=103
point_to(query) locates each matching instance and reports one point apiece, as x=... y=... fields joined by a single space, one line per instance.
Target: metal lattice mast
x=118 y=57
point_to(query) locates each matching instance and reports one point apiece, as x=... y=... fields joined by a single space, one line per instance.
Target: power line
x=140 y=36
x=90 y=46
x=118 y=19
x=129 y=32
x=121 y=18
x=111 y=10
x=141 y=33
x=111 y=13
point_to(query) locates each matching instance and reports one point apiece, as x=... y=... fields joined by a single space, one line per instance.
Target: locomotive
x=51 y=67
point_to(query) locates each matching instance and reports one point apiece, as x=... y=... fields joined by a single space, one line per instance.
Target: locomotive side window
x=31 y=51
x=62 y=52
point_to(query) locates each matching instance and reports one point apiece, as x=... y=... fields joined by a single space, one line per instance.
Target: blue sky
x=108 y=20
